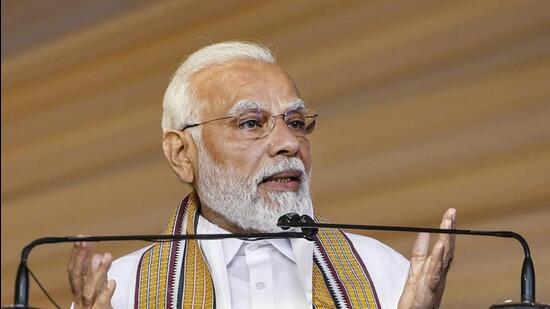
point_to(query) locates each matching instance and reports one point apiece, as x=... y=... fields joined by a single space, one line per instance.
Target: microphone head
x=310 y=232
x=286 y=220
x=306 y=219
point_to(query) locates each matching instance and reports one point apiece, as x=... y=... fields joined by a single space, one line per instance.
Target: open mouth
x=288 y=180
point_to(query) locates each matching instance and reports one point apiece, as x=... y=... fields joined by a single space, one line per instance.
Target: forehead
x=224 y=87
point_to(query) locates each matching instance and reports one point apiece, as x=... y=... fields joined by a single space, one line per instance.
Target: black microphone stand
x=527 y=272
x=21 y=299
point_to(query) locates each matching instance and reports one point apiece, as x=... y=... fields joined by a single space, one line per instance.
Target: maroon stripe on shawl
x=323 y=252
x=173 y=249
x=356 y=254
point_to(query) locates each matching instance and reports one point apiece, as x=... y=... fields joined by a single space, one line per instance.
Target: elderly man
x=235 y=129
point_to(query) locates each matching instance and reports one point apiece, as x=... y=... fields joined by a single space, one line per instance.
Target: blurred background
x=424 y=105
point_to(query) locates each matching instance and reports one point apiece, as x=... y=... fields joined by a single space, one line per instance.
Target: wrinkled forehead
x=242 y=84
x=280 y=107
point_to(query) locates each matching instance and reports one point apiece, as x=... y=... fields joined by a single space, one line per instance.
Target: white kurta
x=273 y=273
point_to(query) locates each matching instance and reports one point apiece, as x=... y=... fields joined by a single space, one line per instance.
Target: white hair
x=180 y=106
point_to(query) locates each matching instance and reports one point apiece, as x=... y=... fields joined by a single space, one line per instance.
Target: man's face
x=271 y=170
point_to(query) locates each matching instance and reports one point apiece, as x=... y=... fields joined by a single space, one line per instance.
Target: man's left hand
x=427 y=274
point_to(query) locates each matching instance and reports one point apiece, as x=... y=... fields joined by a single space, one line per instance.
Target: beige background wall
x=424 y=105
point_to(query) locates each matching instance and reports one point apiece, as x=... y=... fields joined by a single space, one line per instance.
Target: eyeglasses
x=258 y=123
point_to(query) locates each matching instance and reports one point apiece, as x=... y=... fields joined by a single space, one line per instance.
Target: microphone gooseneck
x=21 y=298
x=309 y=229
x=527 y=272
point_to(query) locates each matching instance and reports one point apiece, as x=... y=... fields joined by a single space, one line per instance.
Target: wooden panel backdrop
x=424 y=105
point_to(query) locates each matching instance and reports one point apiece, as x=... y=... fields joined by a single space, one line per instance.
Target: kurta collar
x=234 y=246
x=301 y=253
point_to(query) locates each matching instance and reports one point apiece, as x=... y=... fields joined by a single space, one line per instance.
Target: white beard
x=235 y=196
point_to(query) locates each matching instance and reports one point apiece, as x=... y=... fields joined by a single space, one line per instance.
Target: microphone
x=21 y=298
x=309 y=227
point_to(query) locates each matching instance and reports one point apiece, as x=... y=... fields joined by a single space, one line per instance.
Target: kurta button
x=260 y=285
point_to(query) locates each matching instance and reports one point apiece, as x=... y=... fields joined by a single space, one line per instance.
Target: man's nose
x=282 y=140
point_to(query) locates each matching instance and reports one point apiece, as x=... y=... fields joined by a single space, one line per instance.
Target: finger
x=451 y=252
x=97 y=280
x=76 y=248
x=418 y=259
x=421 y=245
x=419 y=254
x=85 y=295
x=82 y=256
x=104 y=298
x=433 y=272
x=78 y=269
x=96 y=261
x=85 y=265
x=448 y=240
x=71 y=266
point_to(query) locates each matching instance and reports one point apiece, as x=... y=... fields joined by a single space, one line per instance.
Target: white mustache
x=279 y=166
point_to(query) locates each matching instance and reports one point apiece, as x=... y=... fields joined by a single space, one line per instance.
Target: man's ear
x=177 y=150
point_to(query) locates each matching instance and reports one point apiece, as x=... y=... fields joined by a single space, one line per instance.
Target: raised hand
x=88 y=277
x=428 y=273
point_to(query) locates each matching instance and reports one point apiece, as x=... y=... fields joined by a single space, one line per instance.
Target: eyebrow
x=248 y=104
x=244 y=105
x=297 y=104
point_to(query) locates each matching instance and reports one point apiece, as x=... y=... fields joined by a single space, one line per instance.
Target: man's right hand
x=88 y=277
